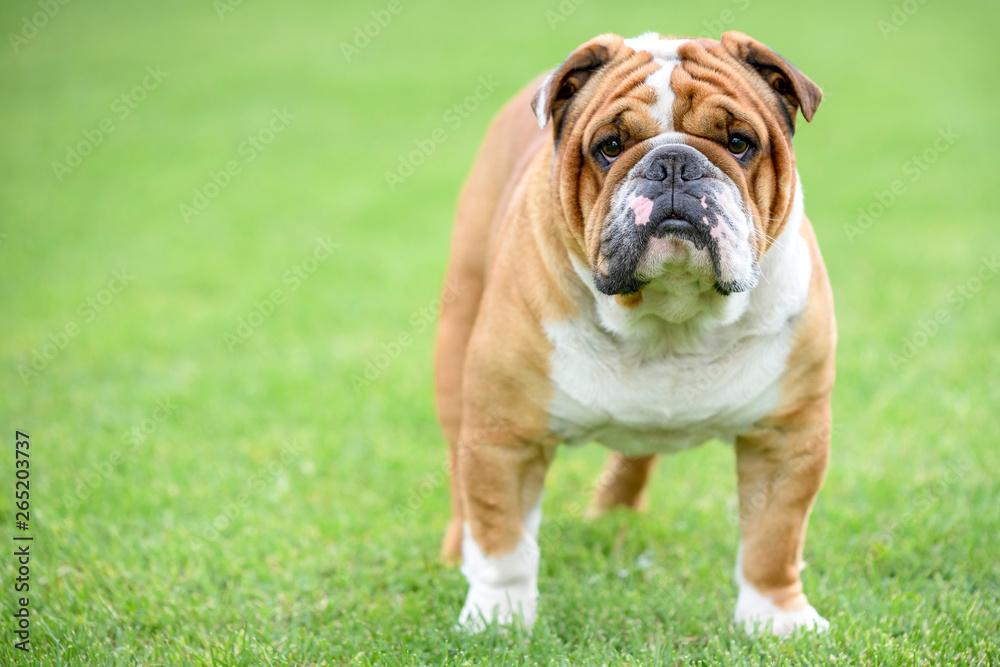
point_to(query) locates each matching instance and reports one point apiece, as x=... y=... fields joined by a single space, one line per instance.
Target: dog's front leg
x=501 y=481
x=781 y=465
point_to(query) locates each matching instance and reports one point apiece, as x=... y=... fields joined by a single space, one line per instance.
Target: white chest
x=610 y=391
x=677 y=386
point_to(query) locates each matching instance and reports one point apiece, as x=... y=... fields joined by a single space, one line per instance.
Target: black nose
x=674 y=165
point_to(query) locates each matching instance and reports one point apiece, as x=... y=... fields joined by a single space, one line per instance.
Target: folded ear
x=794 y=88
x=558 y=89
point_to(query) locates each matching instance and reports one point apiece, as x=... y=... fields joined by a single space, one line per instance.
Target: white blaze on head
x=664 y=52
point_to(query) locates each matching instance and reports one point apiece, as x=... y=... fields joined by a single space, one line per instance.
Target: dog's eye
x=611 y=149
x=738 y=145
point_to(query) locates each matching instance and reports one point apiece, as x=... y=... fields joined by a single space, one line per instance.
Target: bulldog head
x=674 y=156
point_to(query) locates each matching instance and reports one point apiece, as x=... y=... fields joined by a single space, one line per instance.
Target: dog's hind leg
x=623 y=482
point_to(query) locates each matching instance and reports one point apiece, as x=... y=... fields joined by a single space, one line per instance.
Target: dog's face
x=674 y=156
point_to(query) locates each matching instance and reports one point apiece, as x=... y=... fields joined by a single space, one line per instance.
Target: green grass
x=261 y=521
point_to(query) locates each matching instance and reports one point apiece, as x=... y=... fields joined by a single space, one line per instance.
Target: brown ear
x=794 y=88
x=557 y=90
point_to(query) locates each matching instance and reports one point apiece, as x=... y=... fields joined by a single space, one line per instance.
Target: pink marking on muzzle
x=720 y=231
x=642 y=207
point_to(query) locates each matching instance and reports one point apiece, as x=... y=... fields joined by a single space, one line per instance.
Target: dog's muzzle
x=673 y=191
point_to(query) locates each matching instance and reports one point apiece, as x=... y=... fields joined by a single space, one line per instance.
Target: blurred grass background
x=200 y=501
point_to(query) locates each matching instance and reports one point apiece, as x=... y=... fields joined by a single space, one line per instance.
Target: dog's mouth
x=631 y=257
x=673 y=226
x=682 y=228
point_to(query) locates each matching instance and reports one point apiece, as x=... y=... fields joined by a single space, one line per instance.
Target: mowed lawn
x=223 y=229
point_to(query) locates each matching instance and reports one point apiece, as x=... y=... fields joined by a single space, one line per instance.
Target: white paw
x=510 y=606
x=783 y=623
x=502 y=589
x=756 y=613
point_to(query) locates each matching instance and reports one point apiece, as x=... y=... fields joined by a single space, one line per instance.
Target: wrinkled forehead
x=713 y=85
x=666 y=56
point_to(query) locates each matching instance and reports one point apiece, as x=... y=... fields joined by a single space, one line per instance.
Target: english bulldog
x=642 y=274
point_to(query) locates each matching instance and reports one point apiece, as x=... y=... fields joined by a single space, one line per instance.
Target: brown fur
x=622 y=484
x=531 y=203
x=782 y=461
x=479 y=210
